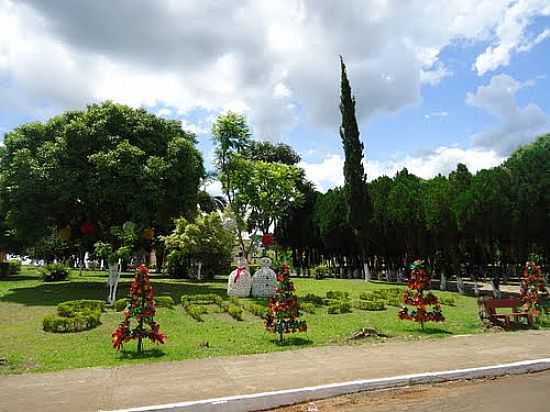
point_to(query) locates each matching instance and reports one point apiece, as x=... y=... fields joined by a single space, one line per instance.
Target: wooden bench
x=505 y=319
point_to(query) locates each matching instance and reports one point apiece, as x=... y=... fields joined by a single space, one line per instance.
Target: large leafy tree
x=104 y=166
x=271 y=152
x=355 y=179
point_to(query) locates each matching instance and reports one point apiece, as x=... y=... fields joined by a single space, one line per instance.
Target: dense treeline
x=473 y=223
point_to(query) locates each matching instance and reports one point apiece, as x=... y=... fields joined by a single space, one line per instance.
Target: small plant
x=345 y=307
x=333 y=308
x=121 y=304
x=337 y=295
x=367 y=296
x=54 y=272
x=206 y=299
x=312 y=298
x=369 y=305
x=339 y=306
x=164 y=302
x=235 y=300
x=235 y=311
x=72 y=307
x=80 y=321
x=195 y=311
x=255 y=309
x=320 y=271
x=307 y=307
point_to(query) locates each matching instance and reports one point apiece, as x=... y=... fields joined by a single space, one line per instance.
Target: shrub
x=84 y=320
x=393 y=301
x=164 y=302
x=255 y=309
x=195 y=311
x=121 y=304
x=235 y=300
x=312 y=298
x=235 y=311
x=72 y=307
x=307 y=307
x=447 y=300
x=320 y=271
x=10 y=268
x=367 y=296
x=369 y=305
x=336 y=294
x=54 y=272
x=206 y=299
x=345 y=307
x=334 y=308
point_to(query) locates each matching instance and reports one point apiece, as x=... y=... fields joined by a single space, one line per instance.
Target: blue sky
x=436 y=83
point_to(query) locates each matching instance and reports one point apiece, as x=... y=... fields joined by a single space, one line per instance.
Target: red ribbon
x=239 y=271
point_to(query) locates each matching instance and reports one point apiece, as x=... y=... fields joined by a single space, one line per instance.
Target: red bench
x=505 y=319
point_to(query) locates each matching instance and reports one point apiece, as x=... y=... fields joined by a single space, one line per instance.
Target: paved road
x=529 y=393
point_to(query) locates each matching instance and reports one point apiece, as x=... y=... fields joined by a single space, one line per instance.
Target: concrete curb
x=267 y=400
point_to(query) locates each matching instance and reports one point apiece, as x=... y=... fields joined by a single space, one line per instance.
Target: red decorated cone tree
x=532 y=289
x=418 y=295
x=142 y=309
x=283 y=315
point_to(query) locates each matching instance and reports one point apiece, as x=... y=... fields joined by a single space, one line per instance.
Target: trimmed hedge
x=312 y=298
x=338 y=295
x=341 y=306
x=70 y=308
x=235 y=311
x=307 y=307
x=367 y=296
x=164 y=302
x=195 y=311
x=206 y=299
x=369 y=305
x=10 y=268
x=255 y=309
x=80 y=321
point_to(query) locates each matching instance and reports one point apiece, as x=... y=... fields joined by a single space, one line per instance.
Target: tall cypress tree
x=355 y=179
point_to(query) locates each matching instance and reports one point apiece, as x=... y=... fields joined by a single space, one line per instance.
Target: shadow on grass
x=293 y=341
x=146 y=354
x=434 y=331
x=52 y=293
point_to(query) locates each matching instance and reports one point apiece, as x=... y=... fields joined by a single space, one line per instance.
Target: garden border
x=267 y=400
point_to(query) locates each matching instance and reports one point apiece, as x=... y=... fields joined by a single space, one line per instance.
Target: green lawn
x=25 y=300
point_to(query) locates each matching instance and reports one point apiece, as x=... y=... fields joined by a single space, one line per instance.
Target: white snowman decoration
x=264 y=281
x=240 y=281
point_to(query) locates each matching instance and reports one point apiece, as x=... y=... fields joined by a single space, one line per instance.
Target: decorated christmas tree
x=283 y=315
x=141 y=308
x=418 y=294
x=532 y=289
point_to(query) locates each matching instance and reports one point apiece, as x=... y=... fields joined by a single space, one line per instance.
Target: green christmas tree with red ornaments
x=532 y=289
x=142 y=309
x=283 y=315
x=418 y=295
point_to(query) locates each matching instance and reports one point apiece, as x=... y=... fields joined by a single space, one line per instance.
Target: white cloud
x=328 y=172
x=511 y=34
x=518 y=125
x=251 y=56
x=165 y=112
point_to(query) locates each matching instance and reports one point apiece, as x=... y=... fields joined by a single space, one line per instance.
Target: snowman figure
x=264 y=281
x=240 y=281
x=114 y=277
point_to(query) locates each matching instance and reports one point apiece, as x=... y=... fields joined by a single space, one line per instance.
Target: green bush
x=121 y=304
x=345 y=307
x=393 y=301
x=235 y=311
x=337 y=295
x=206 y=299
x=235 y=300
x=385 y=294
x=54 y=272
x=72 y=307
x=312 y=298
x=84 y=320
x=369 y=305
x=320 y=271
x=255 y=309
x=195 y=311
x=334 y=308
x=447 y=300
x=164 y=302
x=307 y=307
x=367 y=296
